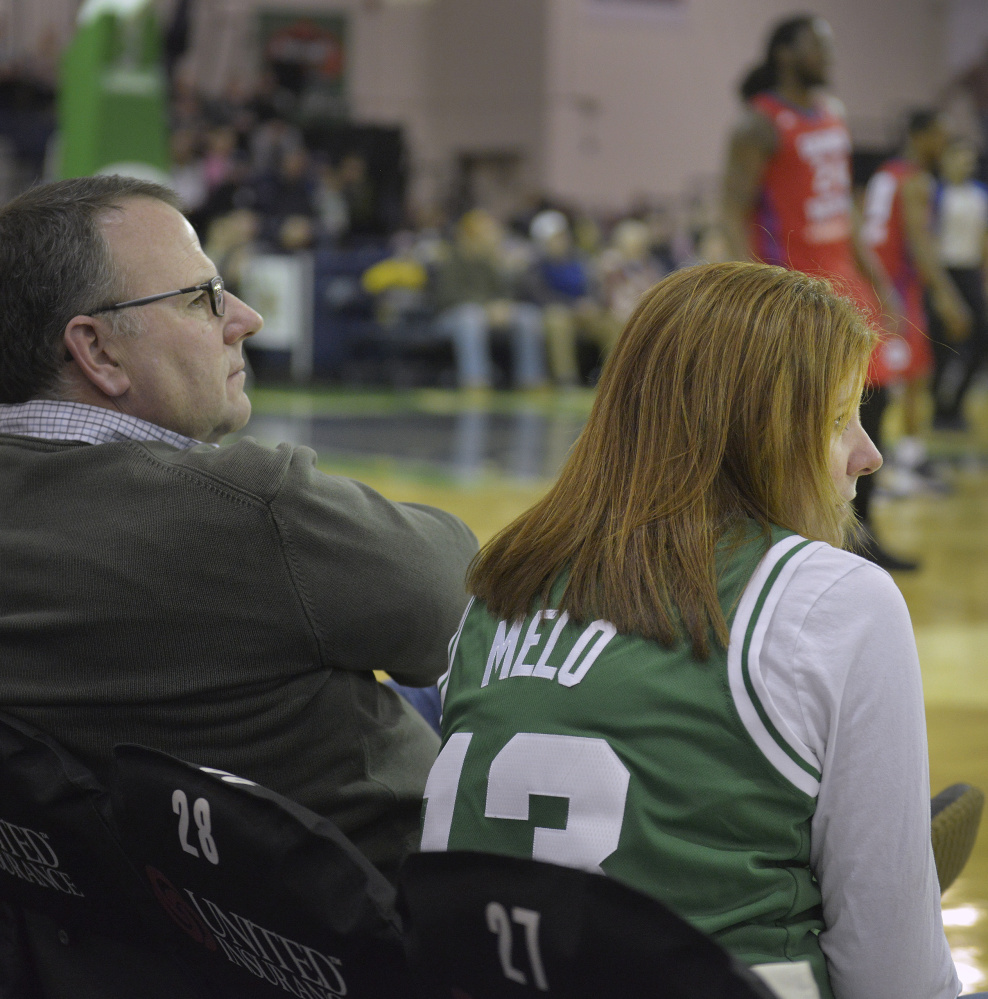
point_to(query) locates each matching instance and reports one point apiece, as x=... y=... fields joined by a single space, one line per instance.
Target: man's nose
x=241 y=320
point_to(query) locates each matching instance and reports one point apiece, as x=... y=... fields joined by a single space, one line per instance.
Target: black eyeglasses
x=213 y=287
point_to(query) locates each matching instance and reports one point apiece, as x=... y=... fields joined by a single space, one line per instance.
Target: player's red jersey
x=803 y=216
x=885 y=232
x=885 y=228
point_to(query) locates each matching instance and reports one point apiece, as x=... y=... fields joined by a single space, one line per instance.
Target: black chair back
x=77 y=918
x=480 y=926
x=266 y=896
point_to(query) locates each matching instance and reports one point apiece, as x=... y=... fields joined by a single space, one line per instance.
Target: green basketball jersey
x=573 y=744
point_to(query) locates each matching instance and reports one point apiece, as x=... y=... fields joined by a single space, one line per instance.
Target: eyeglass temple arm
x=153 y=298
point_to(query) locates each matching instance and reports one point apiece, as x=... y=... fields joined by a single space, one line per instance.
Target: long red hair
x=717 y=405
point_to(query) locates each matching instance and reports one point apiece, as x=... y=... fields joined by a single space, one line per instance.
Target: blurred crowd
x=27 y=110
x=552 y=282
x=245 y=153
x=531 y=300
x=553 y=285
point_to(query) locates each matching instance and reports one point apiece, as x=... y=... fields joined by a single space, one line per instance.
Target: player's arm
x=869 y=265
x=951 y=308
x=750 y=147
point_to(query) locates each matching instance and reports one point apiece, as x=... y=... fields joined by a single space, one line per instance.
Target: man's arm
x=946 y=300
x=382 y=583
x=750 y=147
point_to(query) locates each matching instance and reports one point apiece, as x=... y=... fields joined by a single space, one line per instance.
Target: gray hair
x=56 y=264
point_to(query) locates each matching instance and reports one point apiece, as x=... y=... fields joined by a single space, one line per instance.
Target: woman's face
x=852 y=452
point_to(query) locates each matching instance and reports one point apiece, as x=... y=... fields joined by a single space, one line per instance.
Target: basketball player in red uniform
x=898 y=226
x=787 y=201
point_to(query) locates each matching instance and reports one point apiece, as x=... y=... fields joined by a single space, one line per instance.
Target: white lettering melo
x=583 y=654
x=502 y=650
x=572 y=670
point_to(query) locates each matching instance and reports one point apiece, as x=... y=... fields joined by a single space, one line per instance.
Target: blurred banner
x=112 y=100
x=280 y=287
x=306 y=52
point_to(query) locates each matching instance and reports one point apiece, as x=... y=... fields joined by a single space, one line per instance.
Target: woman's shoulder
x=799 y=570
x=820 y=556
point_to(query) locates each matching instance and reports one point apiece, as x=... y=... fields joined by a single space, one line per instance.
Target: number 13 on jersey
x=585 y=771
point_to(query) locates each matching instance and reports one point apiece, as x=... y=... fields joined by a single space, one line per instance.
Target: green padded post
x=112 y=102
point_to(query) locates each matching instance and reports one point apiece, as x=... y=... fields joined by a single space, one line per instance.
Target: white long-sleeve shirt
x=839 y=666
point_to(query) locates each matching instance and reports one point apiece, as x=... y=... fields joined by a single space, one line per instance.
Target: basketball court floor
x=486 y=458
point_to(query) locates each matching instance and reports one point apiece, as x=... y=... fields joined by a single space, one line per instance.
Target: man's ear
x=93 y=347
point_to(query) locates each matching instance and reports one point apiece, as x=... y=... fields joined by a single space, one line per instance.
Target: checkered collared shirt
x=52 y=419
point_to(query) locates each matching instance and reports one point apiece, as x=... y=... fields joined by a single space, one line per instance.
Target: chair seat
x=78 y=920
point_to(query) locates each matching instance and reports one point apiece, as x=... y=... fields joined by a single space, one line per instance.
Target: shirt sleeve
x=841 y=665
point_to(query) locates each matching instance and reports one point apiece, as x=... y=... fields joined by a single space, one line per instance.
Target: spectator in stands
x=673 y=647
x=355 y=185
x=272 y=139
x=232 y=241
x=563 y=284
x=185 y=110
x=188 y=175
x=286 y=202
x=588 y=236
x=238 y=192
x=398 y=284
x=473 y=299
x=27 y=109
x=271 y=99
x=627 y=269
x=662 y=246
x=331 y=204
x=220 y=156
x=228 y=605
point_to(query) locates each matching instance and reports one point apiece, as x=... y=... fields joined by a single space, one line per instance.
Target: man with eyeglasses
x=226 y=604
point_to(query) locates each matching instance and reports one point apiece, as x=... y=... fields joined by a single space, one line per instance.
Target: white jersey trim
x=451 y=649
x=767 y=727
